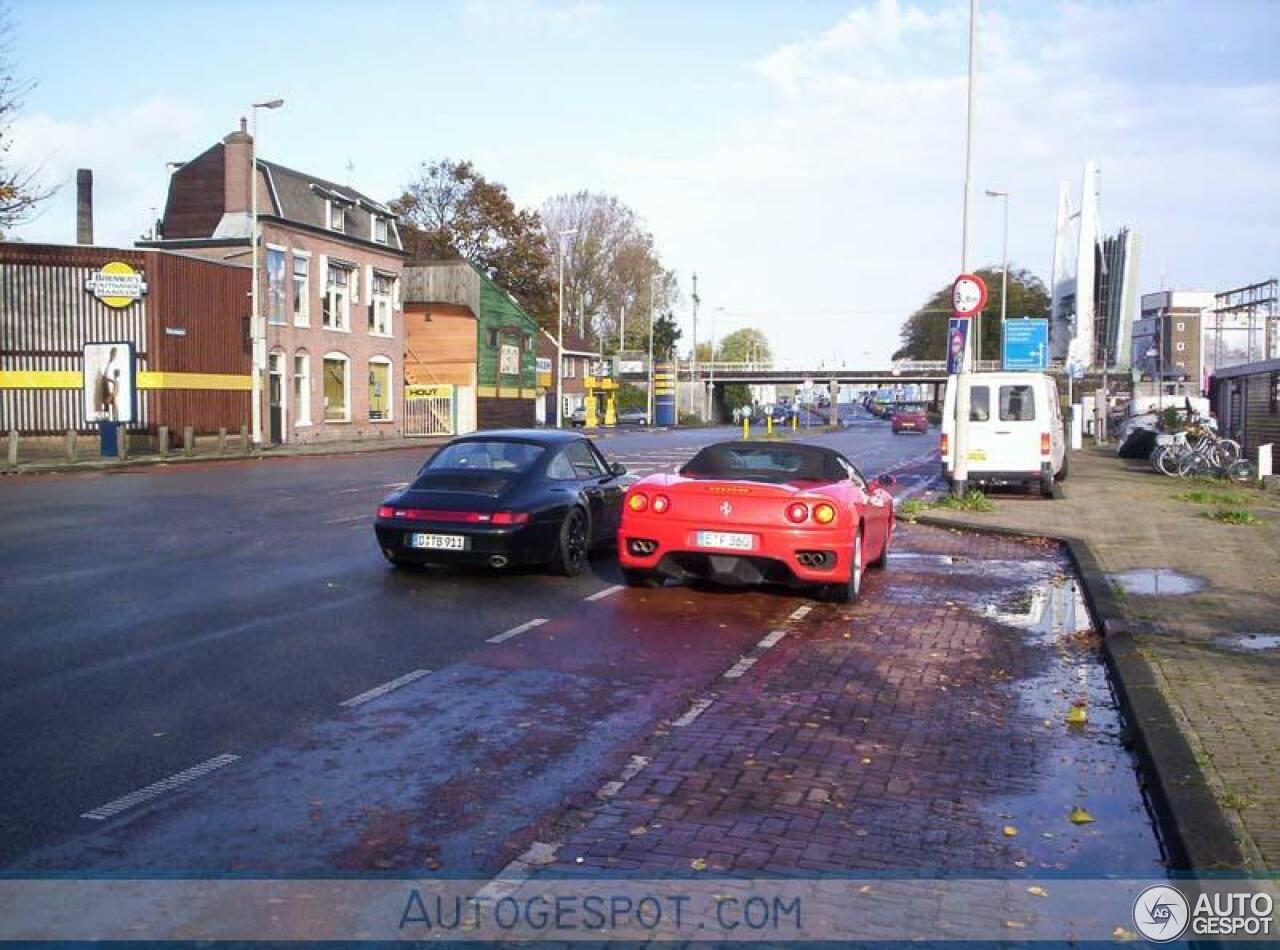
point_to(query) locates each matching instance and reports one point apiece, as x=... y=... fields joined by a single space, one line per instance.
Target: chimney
x=84 y=206
x=237 y=157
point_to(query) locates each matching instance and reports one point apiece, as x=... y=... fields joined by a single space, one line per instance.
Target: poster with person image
x=108 y=382
x=275 y=285
x=957 y=334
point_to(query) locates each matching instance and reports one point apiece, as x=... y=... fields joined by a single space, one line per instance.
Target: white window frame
x=375 y=220
x=343 y=313
x=303 y=411
x=568 y=370
x=381 y=360
x=278 y=356
x=1181 y=346
x=335 y=356
x=329 y=207
x=266 y=270
x=301 y=316
x=1181 y=325
x=387 y=299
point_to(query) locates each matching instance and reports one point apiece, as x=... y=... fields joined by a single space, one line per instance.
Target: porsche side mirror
x=886 y=481
x=618 y=469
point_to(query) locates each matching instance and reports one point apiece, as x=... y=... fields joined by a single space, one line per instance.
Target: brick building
x=330 y=265
x=578 y=358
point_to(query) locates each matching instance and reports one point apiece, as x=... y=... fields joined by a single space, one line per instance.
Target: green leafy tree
x=741 y=346
x=924 y=333
x=666 y=334
x=452 y=211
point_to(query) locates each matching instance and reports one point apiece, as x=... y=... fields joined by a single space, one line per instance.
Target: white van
x=1016 y=433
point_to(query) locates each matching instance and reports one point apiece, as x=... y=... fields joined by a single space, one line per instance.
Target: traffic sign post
x=968 y=297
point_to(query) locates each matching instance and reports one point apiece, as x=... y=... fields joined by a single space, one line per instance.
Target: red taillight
x=510 y=517
x=944 y=444
x=386 y=511
x=1046 y=445
x=797 y=512
x=638 y=502
x=464 y=517
x=660 y=504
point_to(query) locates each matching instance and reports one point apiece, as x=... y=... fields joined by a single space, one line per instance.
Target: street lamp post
x=960 y=448
x=560 y=336
x=1004 y=268
x=257 y=332
x=653 y=306
x=713 y=362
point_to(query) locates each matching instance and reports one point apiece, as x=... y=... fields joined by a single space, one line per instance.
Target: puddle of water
x=1157 y=581
x=1251 y=642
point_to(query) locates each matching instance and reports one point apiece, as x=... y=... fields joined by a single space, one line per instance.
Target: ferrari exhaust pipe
x=498 y=561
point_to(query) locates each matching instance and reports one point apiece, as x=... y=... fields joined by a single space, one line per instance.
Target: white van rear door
x=1016 y=428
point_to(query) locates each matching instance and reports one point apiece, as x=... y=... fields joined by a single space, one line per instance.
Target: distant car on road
x=909 y=419
x=752 y=513
x=503 y=498
x=578 y=418
x=633 y=417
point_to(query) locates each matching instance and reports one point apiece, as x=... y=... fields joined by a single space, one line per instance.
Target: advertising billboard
x=109 y=382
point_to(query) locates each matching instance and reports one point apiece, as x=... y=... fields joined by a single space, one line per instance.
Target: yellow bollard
x=795 y=422
x=768 y=424
x=746 y=428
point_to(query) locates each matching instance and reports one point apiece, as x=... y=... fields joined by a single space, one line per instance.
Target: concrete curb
x=1196 y=831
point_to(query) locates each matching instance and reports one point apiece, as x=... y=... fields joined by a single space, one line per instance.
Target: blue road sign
x=1026 y=345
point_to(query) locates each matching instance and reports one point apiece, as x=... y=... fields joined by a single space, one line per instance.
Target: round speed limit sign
x=968 y=295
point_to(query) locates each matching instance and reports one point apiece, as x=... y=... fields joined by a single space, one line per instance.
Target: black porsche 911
x=506 y=498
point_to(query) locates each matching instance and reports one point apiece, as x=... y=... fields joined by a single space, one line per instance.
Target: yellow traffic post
x=795 y=421
x=591 y=421
x=746 y=427
x=610 y=409
x=768 y=424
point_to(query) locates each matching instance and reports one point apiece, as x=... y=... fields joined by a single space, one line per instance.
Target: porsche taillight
x=510 y=517
x=386 y=511
x=797 y=512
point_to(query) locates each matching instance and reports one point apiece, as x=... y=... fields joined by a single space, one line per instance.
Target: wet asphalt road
x=155 y=619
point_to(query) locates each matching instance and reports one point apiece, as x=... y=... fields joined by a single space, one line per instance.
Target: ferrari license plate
x=725 y=539
x=438 y=542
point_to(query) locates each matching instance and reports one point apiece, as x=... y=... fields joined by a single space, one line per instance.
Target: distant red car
x=753 y=513
x=909 y=419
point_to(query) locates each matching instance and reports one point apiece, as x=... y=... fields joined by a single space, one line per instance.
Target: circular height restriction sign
x=968 y=295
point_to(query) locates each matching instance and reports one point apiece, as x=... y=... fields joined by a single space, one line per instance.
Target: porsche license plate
x=438 y=542
x=725 y=539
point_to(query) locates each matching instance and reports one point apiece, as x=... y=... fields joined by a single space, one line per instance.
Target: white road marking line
x=371 y=694
x=397 y=485
x=352 y=520
x=801 y=612
x=697 y=709
x=347 y=491
x=740 y=667
x=629 y=771
x=771 y=639
x=602 y=594
x=516 y=631
x=156 y=789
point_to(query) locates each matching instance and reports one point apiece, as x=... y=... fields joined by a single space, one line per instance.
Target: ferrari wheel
x=571 y=553
x=635 y=578
x=880 y=562
x=847 y=593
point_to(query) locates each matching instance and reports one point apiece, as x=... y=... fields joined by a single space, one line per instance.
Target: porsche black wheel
x=571 y=553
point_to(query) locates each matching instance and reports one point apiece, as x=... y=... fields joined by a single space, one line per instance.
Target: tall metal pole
x=1004 y=266
x=653 y=306
x=560 y=335
x=693 y=363
x=960 y=466
x=257 y=332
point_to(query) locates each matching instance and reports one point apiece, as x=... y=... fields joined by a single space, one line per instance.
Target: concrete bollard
x=244 y=439
x=222 y=440
x=71 y=445
x=124 y=443
x=164 y=442
x=189 y=441
x=13 y=448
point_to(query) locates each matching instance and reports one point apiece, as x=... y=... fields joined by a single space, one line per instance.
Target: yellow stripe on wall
x=40 y=379
x=73 y=379
x=154 y=379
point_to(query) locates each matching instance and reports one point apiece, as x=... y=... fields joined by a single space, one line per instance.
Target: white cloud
x=127 y=150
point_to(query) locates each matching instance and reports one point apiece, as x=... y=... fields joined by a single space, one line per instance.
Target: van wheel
x=1066 y=467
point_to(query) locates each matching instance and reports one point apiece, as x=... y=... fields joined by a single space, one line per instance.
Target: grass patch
x=1232 y=516
x=1219 y=497
x=972 y=500
x=912 y=508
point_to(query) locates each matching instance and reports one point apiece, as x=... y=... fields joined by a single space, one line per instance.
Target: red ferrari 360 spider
x=751 y=513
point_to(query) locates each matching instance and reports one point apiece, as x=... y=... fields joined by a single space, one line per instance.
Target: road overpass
x=775 y=372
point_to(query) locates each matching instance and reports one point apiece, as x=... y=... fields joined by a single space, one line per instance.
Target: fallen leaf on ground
x=698 y=864
x=638 y=830
x=1080 y=816
x=1010 y=831
x=1077 y=715
x=1037 y=891
x=865 y=889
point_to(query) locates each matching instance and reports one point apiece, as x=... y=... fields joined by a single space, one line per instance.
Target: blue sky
x=805 y=158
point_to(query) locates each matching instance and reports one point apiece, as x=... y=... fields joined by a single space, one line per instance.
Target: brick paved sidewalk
x=1222 y=685
x=922 y=728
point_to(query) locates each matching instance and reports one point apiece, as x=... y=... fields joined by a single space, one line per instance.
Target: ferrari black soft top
x=763 y=462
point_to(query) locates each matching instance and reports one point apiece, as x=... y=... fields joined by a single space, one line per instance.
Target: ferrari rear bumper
x=782 y=556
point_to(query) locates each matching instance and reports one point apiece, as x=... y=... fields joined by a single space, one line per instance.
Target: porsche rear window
x=764 y=464
x=487 y=456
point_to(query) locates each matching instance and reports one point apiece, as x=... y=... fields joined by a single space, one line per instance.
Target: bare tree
x=20 y=192
x=612 y=270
